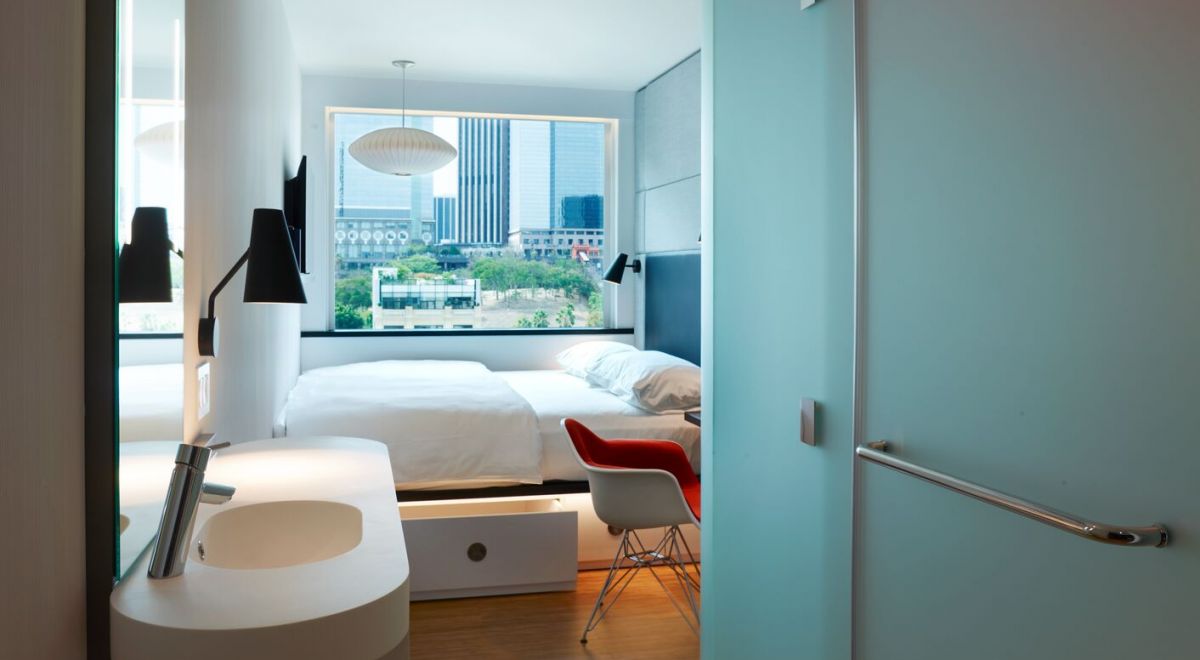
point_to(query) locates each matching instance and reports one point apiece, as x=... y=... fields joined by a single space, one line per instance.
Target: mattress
x=557 y=394
x=151 y=402
x=445 y=423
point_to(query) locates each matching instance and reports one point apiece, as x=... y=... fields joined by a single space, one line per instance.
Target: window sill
x=480 y=332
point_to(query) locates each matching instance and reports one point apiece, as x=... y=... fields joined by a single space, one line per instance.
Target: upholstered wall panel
x=675 y=213
x=668 y=126
x=667 y=158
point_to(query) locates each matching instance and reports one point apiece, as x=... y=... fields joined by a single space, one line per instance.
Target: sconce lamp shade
x=272 y=274
x=144 y=269
x=616 y=272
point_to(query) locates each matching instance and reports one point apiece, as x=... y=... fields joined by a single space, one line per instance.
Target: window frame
x=608 y=252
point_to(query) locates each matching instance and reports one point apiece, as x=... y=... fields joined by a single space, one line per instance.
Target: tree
x=346 y=317
x=540 y=320
x=420 y=263
x=353 y=291
x=595 y=317
x=566 y=316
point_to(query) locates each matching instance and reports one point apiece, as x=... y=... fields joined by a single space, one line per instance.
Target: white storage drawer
x=485 y=549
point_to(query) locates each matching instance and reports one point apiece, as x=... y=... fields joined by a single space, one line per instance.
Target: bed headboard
x=672 y=307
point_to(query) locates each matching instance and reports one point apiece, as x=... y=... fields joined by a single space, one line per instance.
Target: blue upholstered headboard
x=672 y=309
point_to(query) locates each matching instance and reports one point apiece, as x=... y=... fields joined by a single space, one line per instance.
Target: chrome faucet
x=186 y=491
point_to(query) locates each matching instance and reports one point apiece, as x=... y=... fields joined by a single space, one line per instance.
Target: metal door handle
x=1155 y=536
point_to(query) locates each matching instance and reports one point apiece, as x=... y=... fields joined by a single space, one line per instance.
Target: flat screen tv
x=294 y=200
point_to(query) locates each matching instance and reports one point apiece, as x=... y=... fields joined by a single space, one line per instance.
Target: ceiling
x=589 y=44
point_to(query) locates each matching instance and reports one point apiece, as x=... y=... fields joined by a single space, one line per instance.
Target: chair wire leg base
x=631 y=557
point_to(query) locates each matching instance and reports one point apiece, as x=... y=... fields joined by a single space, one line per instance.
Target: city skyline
x=517 y=174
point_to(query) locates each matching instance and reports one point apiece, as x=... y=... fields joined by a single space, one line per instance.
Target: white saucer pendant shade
x=158 y=143
x=402 y=151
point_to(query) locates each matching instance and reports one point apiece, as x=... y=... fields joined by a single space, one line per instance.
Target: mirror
x=150 y=231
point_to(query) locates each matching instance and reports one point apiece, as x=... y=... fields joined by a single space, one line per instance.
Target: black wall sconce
x=144 y=267
x=616 y=272
x=272 y=275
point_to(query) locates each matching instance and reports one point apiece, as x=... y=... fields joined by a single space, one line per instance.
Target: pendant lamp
x=402 y=151
x=161 y=142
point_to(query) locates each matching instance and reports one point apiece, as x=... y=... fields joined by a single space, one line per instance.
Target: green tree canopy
x=566 y=316
x=505 y=273
x=418 y=264
x=353 y=291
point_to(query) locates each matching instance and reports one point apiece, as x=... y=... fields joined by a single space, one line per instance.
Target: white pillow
x=650 y=380
x=579 y=359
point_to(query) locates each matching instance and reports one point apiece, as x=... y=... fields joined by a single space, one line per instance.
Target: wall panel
x=42 y=591
x=243 y=139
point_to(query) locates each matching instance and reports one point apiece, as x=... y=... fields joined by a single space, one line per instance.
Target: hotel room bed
x=456 y=424
x=452 y=436
x=557 y=394
x=445 y=422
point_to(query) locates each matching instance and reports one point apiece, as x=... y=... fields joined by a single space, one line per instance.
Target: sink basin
x=308 y=554
x=278 y=534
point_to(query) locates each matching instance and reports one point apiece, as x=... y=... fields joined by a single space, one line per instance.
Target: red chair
x=641 y=484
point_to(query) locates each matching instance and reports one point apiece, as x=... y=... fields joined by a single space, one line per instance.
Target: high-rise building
x=445 y=212
x=483 y=181
x=529 y=175
x=557 y=172
x=582 y=212
x=366 y=237
x=576 y=170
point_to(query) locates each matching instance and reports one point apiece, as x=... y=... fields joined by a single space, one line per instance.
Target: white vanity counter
x=351 y=605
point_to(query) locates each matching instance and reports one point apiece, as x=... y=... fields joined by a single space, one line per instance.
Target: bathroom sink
x=278 y=534
x=308 y=554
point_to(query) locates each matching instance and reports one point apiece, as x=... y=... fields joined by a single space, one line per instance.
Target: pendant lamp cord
x=404 y=96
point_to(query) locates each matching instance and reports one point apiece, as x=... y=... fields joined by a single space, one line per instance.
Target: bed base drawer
x=459 y=551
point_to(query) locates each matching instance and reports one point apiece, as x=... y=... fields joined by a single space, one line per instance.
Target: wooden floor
x=642 y=624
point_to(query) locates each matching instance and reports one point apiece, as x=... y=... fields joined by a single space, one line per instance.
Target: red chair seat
x=637 y=455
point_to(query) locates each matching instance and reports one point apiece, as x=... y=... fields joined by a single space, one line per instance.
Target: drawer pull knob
x=476 y=551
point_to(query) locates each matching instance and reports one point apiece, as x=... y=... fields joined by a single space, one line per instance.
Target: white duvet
x=557 y=394
x=151 y=402
x=441 y=420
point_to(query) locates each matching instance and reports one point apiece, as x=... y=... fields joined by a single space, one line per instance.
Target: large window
x=511 y=234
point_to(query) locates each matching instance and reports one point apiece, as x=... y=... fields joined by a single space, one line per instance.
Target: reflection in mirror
x=150 y=230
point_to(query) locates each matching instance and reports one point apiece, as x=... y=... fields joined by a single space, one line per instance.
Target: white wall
x=242 y=136
x=320 y=92
x=42 y=590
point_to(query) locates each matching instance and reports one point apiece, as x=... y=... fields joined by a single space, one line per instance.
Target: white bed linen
x=150 y=400
x=443 y=421
x=557 y=394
